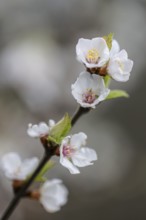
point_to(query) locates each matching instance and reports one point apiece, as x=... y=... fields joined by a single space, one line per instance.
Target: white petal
x=82 y=47
x=69 y=165
x=98 y=86
x=128 y=64
x=33 y=131
x=84 y=157
x=102 y=48
x=53 y=188
x=78 y=140
x=43 y=128
x=115 y=48
x=28 y=166
x=53 y=195
x=10 y=164
x=121 y=77
x=83 y=82
x=86 y=81
x=99 y=89
x=122 y=54
x=99 y=44
x=102 y=96
x=87 y=105
x=82 y=51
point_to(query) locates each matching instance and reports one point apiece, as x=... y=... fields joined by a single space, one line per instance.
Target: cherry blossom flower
x=89 y=90
x=40 y=130
x=119 y=66
x=73 y=154
x=53 y=195
x=16 y=169
x=93 y=53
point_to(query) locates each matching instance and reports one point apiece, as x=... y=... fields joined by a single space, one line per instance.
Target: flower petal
x=84 y=157
x=28 y=166
x=78 y=140
x=115 y=48
x=101 y=46
x=69 y=165
x=43 y=128
x=53 y=195
x=82 y=47
x=123 y=54
x=33 y=131
x=128 y=65
x=10 y=164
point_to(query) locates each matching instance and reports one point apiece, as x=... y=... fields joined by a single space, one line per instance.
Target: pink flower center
x=89 y=97
x=67 y=151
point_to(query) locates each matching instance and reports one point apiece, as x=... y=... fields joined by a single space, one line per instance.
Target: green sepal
x=60 y=130
x=40 y=177
x=109 y=39
x=117 y=94
x=107 y=80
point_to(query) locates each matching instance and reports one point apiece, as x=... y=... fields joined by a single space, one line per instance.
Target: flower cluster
x=52 y=194
x=73 y=153
x=100 y=60
x=103 y=61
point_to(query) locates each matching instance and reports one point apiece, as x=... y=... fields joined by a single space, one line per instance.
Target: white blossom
x=89 y=90
x=119 y=66
x=53 y=195
x=73 y=154
x=40 y=130
x=93 y=53
x=16 y=169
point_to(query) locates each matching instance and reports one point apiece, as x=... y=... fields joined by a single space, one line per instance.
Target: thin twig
x=80 y=111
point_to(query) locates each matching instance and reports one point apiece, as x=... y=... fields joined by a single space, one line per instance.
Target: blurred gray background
x=37 y=67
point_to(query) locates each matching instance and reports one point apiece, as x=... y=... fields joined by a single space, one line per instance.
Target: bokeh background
x=37 y=66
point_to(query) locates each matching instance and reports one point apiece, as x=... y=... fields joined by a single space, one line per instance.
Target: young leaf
x=109 y=39
x=107 y=80
x=40 y=177
x=117 y=94
x=60 y=130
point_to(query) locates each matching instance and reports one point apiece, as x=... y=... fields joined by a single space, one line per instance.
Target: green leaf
x=40 y=177
x=109 y=39
x=60 y=130
x=107 y=80
x=117 y=94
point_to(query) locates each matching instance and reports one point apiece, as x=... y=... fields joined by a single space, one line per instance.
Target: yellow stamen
x=92 y=56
